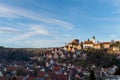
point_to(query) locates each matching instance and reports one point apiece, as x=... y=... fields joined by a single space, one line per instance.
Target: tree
x=92 y=75
x=115 y=44
x=82 y=45
x=101 y=46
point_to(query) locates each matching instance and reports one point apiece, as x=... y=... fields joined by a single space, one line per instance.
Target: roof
x=57 y=68
x=41 y=74
x=88 y=42
x=96 y=44
x=106 y=42
x=74 y=42
x=61 y=77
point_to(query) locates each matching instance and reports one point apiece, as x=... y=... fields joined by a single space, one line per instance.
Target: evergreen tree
x=92 y=75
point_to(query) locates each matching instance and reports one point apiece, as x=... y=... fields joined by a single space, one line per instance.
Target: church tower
x=93 y=39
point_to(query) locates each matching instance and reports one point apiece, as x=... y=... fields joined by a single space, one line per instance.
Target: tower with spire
x=93 y=39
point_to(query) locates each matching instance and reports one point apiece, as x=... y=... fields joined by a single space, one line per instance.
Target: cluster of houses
x=50 y=68
x=75 y=44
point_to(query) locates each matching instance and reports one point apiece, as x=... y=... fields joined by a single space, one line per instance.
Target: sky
x=52 y=23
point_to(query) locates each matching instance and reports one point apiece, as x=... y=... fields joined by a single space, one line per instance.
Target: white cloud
x=35 y=30
x=38 y=29
x=10 y=12
x=45 y=43
x=113 y=36
x=8 y=30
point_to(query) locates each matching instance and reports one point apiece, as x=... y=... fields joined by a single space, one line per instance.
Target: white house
x=88 y=44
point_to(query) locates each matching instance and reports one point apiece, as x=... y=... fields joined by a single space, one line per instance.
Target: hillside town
x=86 y=60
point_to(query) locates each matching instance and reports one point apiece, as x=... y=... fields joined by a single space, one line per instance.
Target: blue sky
x=51 y=23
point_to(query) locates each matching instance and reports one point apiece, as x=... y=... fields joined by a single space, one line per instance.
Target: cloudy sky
x=50 y=23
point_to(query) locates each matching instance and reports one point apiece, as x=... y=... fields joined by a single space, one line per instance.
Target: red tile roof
x=61 y=77
x=51 y=74
x=106 y=42
x=2 y=78
x=57 y=68
x=48 y=78
x=96 y=44
x=11 y=68
x=41 y=74
x=88 y=42
x=19 y=77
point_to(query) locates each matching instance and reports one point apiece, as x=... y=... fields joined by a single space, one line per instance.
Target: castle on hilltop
x=75 y=44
